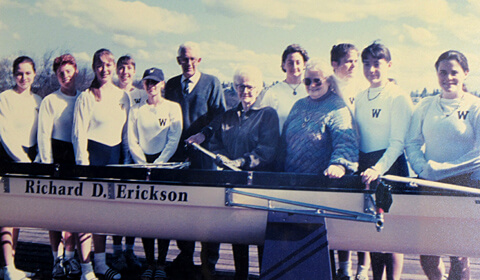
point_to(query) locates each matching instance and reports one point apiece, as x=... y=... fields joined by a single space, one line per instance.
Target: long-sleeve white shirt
x=444 y=137
x=101 y=121
x=348 y=90
x=18 y=123
x=383 y=118
x=154 y=129
x=55 y=120
x=136 y=96
x=281 y=98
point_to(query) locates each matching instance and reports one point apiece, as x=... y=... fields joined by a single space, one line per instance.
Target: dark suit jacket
x=201 y=110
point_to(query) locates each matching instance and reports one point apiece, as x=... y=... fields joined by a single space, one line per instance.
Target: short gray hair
x=194 y=47
x=251 y=72
x=319 y=65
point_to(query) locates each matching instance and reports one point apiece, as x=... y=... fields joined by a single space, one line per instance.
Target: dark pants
x=367 y=160
x=380 y=261
x=101 y=154
x=63 y=152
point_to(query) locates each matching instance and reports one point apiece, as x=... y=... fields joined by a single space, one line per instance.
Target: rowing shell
x=224 y=206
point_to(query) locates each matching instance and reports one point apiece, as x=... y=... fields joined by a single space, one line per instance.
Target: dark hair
x=294 y=48
x=95 y=85
x=340 y=51
x=62 y=60
x=377 y=51
x=458 y=57
x=453 y=55
x=126 y=59
x=22 y=59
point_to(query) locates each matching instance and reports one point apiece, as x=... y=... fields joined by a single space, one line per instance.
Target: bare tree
x=6 y=77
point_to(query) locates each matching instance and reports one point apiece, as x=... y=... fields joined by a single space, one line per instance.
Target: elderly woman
x=247 y=139
x=319 y=135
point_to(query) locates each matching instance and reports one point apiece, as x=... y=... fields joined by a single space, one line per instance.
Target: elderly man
x=201 y=98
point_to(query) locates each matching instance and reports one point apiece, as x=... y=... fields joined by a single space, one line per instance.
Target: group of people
x=317 y=120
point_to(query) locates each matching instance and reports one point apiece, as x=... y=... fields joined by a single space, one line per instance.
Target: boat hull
x=417 y=223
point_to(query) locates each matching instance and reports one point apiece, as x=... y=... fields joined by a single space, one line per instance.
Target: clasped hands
x=224 y=161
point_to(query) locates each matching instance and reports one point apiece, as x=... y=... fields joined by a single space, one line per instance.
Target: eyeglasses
x=241 y=87
x=309 y=81
x=182 y=59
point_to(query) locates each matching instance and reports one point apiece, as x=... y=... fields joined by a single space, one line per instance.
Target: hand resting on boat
x=334 y=171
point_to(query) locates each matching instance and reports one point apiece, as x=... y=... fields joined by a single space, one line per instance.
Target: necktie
x=186 y=87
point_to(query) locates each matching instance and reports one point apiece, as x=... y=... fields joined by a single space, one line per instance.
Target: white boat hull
x=416 y=224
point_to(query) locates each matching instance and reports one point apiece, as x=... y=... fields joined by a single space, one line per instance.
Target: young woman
x=99 y=133
x=284 y=94
x=344 y=60
x=126 y=70
x=154 y=130
x=55 y=146
x=383 y=115
x=448 y=126
x=18 y=137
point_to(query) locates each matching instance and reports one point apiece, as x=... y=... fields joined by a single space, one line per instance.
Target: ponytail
x=95 y=85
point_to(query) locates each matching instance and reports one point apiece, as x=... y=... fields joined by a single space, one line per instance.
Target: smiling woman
x=319 y=135
x=247 y=139
x=99 y=134
x=18 y=137
x=443 y=142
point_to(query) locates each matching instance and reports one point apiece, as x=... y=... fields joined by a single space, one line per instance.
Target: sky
x=235 y=32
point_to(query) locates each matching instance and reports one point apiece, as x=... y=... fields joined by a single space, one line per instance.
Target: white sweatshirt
x=55 y=120
x=281 y=98
x=101 y=121
x=383 y=118
x=18 y=123
x=154 y=129
x=444 y=137
x=137 y=96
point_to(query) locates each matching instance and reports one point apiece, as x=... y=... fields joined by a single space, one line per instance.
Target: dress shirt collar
x=193 y=80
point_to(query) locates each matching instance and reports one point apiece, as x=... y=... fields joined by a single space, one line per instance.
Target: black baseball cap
x=153 y=74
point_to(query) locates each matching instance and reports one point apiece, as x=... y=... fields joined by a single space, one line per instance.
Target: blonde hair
x=95 y=85
x=321 y=66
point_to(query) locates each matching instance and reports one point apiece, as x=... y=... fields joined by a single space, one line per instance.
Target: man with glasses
x=201 y=98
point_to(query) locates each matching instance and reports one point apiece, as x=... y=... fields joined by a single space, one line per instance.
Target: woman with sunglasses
x=319 y=135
